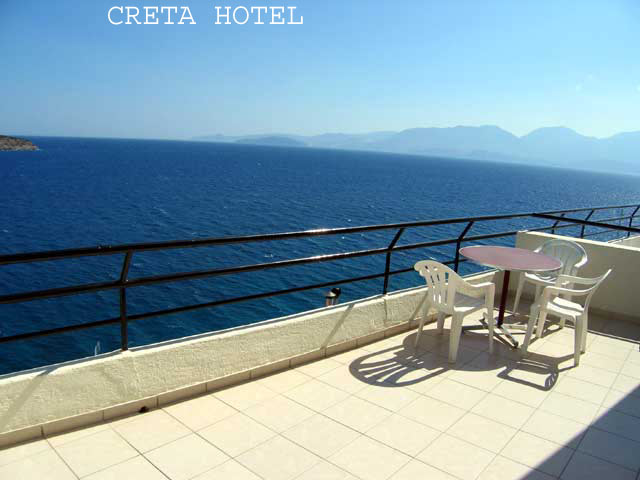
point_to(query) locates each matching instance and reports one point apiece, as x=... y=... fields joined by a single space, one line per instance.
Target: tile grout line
x=73 y=472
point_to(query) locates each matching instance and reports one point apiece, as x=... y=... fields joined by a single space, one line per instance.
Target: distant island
x=273 y=140
x=548 y=146
x=13 y=144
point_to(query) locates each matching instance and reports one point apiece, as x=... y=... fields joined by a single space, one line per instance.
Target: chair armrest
x=488 y=288
x=547 y=292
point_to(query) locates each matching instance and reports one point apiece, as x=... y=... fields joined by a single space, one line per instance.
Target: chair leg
x=577 y=344
x=518 y=293
x=585 y=330
x=425 y=314
x=533 y=317
x=491 y=322
x=418 y=333
x=454 y=338
x=440 y=324
x=542 y=316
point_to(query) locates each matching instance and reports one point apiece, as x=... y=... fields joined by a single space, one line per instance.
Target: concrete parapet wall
x=618 y=295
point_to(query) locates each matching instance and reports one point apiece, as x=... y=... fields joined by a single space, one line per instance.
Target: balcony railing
x=561 y=220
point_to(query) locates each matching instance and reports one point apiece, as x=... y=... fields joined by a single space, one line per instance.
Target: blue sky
x=353 y=66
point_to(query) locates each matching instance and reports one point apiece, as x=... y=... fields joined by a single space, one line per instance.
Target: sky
x=352 y=66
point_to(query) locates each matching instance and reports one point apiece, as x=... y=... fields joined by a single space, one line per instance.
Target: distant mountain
x=550 y=146
x=274 y=141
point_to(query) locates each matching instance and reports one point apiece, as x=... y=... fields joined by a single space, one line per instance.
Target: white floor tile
x=612 y=448
x=586 y=467
x=200 y=412
x=456 y=394
x=432 y=413
x=456 y=457
x=151 y=430
x=246 y=395
x=315 y=432
x=403 y=434
x=391 y=398
x=236 y=434
x=537 y=453
x=367 y=458
x=42 y=465
x=357 y=414
x=482 y=432
x=278 y=459
x=279 y=413
x=417 y=470
x=18 y=452
x=138 y=467
x=503 y=410
x=231 y=470
x=316 y=395
x=284 y=381
x=570 y=407
x=502 y=468
x=556 y=429
x=96 y=452
x=187 y=457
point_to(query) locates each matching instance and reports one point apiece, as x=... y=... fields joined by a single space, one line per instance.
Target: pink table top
x=509 y=258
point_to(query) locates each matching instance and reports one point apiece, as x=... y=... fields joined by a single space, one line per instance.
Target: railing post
x=583 y=225
x=459 y=242
x=387 y=267
x=553 y=229
x=124 y=335
x=631 y=220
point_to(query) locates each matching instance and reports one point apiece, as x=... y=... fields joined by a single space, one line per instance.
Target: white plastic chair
x=569 y=253
x=550 y=303
x=450 y=294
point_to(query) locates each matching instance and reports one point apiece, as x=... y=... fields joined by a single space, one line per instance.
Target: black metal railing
x=562 y=219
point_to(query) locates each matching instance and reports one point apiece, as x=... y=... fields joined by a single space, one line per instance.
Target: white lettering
x=150 y=15
x=278 y=15
x=185 y=11
x=109 y=15
x=168 y=9
x=291 y=9
x=246 y=15
x=260 y=10
x=224 y=15
x=129 y=16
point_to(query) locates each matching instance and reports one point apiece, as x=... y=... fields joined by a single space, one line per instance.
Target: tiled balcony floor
x=384 y=411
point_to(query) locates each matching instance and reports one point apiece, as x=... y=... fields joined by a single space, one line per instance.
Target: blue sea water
x=85 y=192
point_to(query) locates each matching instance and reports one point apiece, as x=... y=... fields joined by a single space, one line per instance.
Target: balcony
x=342 y=393
x=384 y=411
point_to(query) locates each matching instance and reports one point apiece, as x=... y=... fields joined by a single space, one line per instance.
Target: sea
x=82 y=192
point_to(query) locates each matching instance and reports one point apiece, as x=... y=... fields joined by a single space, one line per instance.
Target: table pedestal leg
x=503 y=307
x=503 y=297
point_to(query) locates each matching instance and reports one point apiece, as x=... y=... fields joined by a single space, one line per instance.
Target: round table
x=510 y=259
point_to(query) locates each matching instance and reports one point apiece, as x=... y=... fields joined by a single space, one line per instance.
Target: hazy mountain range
x=551 y=146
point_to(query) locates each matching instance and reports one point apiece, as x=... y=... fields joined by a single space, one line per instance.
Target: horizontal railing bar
x=589 y=223
x=137 y=247
x=157 y=313
x=58 y=292
x=185 y=276
x=53 y=331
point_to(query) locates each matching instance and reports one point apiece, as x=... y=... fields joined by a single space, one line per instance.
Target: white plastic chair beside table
x=450 y=294
x=550 y=303
x=569 y=253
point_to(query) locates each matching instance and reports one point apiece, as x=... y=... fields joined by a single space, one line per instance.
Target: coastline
x=14 y=144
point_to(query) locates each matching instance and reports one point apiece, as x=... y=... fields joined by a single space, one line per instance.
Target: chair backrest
x=592 y=285
x=569 y=253
x=442 y=283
